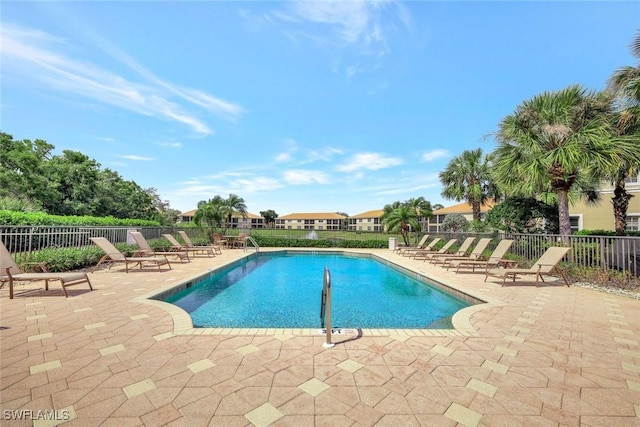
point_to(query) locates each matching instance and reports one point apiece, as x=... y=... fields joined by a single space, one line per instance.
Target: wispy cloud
x=42 y=58
x=431 y=155
x=369 y=161
x=134 y=157
x=359 y=26
x=171 y=144
x=304 y=177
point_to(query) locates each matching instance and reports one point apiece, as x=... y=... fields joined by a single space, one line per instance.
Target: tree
x=75 y=177
x=122 y=199
x=423 y=209
x=625 y=83
x=210 y=214
x=269 y=217
x=468 y=177
x=455 y=223
x=555 y=142
x=523 y=215
x=22 y=171
x=218 y=212
x=164 y=214
x=400 y=218
x=234 y=205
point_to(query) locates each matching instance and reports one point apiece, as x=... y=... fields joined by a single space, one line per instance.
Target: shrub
x=602 y=233
x=41 y=218
x=66 y=259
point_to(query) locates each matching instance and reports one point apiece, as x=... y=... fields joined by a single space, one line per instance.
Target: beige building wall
x=600 y=216
x=367 y=221
x=310 y=221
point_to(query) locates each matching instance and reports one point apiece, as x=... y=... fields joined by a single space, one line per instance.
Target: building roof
x=377 y=213
x=250 y=215
x=464 y=208
x=313 y=215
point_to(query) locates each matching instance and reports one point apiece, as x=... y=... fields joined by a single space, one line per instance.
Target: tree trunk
x=476 y=210
x=620 y=203
x=563 y=213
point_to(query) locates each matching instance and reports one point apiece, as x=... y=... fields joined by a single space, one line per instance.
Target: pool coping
x=183 y=324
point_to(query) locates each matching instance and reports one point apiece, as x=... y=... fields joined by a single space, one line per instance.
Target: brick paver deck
x=549 y=356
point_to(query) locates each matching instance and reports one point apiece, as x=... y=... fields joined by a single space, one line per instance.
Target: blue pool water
x=283 y=290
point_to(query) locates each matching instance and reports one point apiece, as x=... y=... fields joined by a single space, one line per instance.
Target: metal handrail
x=325 y=307
x=253 y=241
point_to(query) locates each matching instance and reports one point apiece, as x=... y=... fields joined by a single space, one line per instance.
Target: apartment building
x=366 y=221
x=435 y=222
x=311 y=221
x=600 y=216
x=237 y=221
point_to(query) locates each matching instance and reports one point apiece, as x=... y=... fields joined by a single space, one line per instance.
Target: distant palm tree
x=210 y=214
x=555 y=142
x=400 y=218
x=625 y=83
x=423 y=209
x=234 y=204
x=468 y=177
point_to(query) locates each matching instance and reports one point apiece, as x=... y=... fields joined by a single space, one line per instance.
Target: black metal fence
x=607 y=252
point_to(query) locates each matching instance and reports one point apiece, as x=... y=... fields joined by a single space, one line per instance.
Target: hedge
x=40 y=218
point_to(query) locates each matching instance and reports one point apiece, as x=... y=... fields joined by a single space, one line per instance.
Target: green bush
x=66 y=259
x=602 y=233
x=40 y=218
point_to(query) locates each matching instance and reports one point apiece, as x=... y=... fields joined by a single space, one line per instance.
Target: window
x=633 y=222
x=631 y=179
x=576 y=222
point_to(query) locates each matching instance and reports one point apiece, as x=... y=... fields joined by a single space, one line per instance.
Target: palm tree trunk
x=476 y=210
x=620 y=203
x=563 y=213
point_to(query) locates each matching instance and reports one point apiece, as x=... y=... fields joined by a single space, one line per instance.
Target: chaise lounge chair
x=209 y=251
x=495 y=259
x=421 y=244
x=474 y=255
x=425 y=255
x=113 y=255
x=145 y=250
x=462 y=251
x=546 y=264
x=189 y=244
x=10 y=272
x=427 y=248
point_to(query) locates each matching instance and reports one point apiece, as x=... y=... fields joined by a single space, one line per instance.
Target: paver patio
x=547 y=355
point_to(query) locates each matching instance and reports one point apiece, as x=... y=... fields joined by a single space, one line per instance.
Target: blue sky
x=311 y=106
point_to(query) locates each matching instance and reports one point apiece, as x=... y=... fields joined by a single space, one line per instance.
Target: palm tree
x=234 y=205
x=423 y=209
x=400 y=218
x=468 y=177
x=554 y=142
x=210 y=214
x=625 y=83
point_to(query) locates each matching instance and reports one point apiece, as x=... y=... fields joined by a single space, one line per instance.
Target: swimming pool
x=282 y=290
